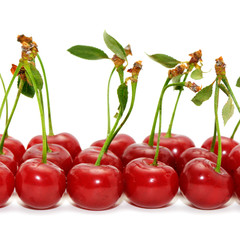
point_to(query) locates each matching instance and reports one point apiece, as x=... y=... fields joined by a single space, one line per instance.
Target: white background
x=78 y=99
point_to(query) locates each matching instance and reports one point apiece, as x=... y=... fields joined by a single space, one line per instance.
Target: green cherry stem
x=214 y=138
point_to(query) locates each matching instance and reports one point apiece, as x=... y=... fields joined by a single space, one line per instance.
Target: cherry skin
x=150 y=186
x=138 y=150
x=227 y=145
x=236 y=179
x=94 y=187
x=90 y=155
x=118 y=144
x=40 y=185
x=192 y=153
x=15 y=146
x=66 y=140
x=8 y=159
x=203 y=186
x=233 y=161
x=6 y=184
x=58 y=155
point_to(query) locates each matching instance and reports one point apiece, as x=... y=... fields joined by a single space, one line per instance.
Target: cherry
x=236 y=179
x=8 y=159
x=90 y=155
x=40 y=185
x=227 y=145
x=150 y=186
x=136 y=150
x=57 y=155
x=94 y=187
x=66 y=140
x=6 y=184
x=15 y=146
x=118 y=144
x=233 y=160
x=203 y=186
x=192 y=153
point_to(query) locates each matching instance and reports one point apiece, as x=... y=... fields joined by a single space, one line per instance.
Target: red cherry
x=192 y=153
x=90 y=155
x=176 y=143
x=227 y=145
x=15 y=146
x=236 y=179
x=58 y=155
x=137 y=150
x=8 y=159
x=94 y=187
x=233 y=160
x=66 y=140
x=203 y=186
x=118 y=144
x=6 y=184
x=40 y=185
x=150 y=186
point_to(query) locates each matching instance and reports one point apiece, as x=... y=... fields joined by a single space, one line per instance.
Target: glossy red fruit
x=150 y=186
x=138 y=150
x=236 y=179
x=66 y=140
x=8 y=159
x=58 y=155
x=94 y=187
x=90 y=155
x=233 y=160
x=203 y=186
x=40 y=185
x=118 y=144
x=227 y=145
x=192 y=153
x=6 y=184
x=176 y=143
x=15 y=146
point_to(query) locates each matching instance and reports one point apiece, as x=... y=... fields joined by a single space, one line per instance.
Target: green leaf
x=177 y=79
x=87 y=52
x=224 y=89
x=238 y=82
x=165 y=60
x=37 y=76
x=114 y=46
x=202 y=95
x=27 y=89
x=197 y=74
x=228 y=110
x=122 y=92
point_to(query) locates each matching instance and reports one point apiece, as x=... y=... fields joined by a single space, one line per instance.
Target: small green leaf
x=114 y=46
x=37 y=76
x=238 y=82
x=87 y=52
x=197 y=74
x=165 y=60
x=177 y=79
x=27 y=89
x=228 y=110
x=224 y=89
x=122 y=92
x=202 y=95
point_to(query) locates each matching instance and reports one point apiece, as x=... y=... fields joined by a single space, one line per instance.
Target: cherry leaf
x=228 y=110
x=197 y=74
x=238 y=82
x=165 y=60
x=122 y=92
x=37 y=76
x=202 y=95
x=27 y=89
x=88 y=52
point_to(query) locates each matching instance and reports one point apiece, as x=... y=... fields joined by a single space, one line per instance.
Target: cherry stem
x=48 y=98
x=235 y=130
x=11 y=115
x=108 y=102
x=4 y=88
x=214 y=138
x=216 y=99
x=9 y=87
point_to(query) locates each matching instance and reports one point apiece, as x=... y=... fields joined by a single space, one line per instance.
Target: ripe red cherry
x=176 y=143
x=90 y=155
x=118 y=144
x=15 y=146
x=192 y=153
x=150 y=186
x=94 y=187
x=58 y=155
x=138 y=150
x=6 y=184
x=203 y=186
x=227 y=145
x=66 y=140
x=40 y=185
x=8 y=159
x=236 y=179
x=233 y=160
